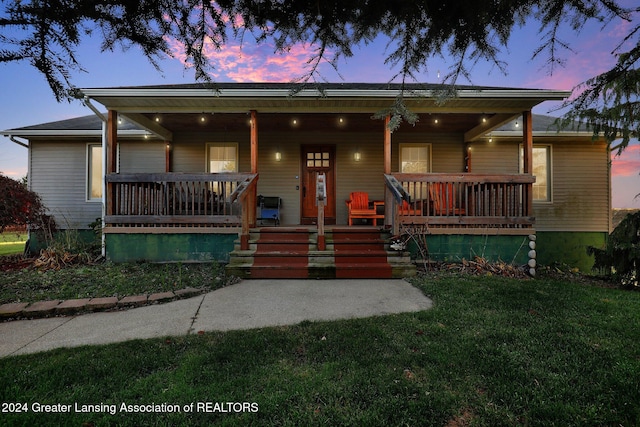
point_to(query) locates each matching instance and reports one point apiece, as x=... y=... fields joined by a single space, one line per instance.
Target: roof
x=85 y=126
x=322 y=97
x=140 y=103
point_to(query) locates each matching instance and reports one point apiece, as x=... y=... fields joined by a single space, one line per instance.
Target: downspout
x=103 y=141
x=13 y=139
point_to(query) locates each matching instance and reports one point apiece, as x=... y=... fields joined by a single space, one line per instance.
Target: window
x=222 y=157
x=415 y=158
x=94 y=172
x=541 y=170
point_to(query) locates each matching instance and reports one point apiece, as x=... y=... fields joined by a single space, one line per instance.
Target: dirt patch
x=15 y=262
x=462 y=420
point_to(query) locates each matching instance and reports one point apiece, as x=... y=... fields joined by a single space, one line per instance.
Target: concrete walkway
x=245 y=305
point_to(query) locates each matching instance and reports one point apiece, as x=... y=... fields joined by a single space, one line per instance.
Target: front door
x=317 y=159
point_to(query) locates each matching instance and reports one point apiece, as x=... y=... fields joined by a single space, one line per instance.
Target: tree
x=46 y=32
x=19 y=206
x=609 y=103
x=621 y=256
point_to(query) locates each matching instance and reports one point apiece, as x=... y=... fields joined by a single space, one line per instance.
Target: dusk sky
x=27 y=100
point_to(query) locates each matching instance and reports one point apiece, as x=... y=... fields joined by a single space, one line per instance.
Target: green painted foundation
x=569 y=248
x=82 y=237
x=169 y=247
x=552 y=248
x=456 y=247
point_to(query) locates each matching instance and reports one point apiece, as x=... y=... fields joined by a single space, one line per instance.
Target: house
x=175 y=172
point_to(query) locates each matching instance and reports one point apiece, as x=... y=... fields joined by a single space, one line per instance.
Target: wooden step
x=291 y=252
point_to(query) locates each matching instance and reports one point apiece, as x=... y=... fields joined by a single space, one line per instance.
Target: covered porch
x=273 y=130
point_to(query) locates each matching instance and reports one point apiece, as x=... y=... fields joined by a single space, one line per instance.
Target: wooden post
x=467 y=158
x=112 y=152
x=321 y=194
x=389 y=202
x=167 y=162
x=253 y=196
x=527 y=141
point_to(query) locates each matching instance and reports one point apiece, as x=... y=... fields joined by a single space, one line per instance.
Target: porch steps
x=291 y=252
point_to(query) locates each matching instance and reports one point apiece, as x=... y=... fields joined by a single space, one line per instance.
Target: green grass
x=106 y=279
x=492 y=352
x=12 y=243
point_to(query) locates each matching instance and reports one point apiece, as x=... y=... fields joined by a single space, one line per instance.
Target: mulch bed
x=15 y=262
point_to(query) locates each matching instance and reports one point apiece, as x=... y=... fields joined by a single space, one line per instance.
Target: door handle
x=304 y=191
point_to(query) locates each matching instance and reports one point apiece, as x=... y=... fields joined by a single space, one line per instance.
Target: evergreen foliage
x=46 y=34
x=622 y=254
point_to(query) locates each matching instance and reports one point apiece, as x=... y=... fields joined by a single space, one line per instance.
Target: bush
x=20 y=206
x=621 y=256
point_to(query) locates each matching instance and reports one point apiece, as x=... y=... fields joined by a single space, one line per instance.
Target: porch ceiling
x=302 y=122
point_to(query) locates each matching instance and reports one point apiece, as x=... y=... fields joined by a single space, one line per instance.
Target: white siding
x=58 y=173
x=142 y=157
x=581 y=199
x=581 y=189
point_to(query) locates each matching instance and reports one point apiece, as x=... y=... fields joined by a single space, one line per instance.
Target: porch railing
x=462 y=200
x=178 y=199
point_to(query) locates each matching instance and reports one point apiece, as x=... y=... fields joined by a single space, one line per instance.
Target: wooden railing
x=462 y=200
x=178 y=199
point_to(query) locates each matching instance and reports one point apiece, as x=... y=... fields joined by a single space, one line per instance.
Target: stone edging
x=25 y=310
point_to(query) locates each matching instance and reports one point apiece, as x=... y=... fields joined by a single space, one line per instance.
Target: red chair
x=358 y=207
x=443 y=199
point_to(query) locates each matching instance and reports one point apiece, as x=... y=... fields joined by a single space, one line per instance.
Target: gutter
x=86 y=101
x=313 y=93
x=12 y=138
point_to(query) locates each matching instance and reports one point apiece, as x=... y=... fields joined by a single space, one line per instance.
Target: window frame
x=209 y=145
x=549 y=157
x=427 y=145
x=88 y=173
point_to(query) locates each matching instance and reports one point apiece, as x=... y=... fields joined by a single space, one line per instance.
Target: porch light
x=517 y=124
x=357 y=156
x=157 y=119
x=278 y=156
x=436 y=121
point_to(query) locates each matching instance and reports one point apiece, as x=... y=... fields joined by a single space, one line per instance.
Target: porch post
x=253 y=196
x=388 y=197
x=527 y=137
x=111 y=156
x=167 y=161
x=250 y=200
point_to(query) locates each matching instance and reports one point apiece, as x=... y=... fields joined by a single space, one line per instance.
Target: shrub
x=621 y=256
x=20 y=206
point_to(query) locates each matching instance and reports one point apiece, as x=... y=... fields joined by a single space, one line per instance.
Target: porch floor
x=292 y=252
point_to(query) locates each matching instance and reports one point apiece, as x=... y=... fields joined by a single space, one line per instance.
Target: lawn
x=492 y=352
x=12 y=243
x=104 y=280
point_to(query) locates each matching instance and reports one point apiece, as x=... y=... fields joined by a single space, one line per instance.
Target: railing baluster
x=466 y=200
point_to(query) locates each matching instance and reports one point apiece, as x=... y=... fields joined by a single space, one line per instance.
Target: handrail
x=400 y=195
x=467 y=200
x=181 y=199
x=177 y=177
x=321 y=196
x=242 y=190
x=397 y=190
x=245 y=190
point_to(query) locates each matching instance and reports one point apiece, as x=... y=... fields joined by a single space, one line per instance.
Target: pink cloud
x=628 y=163
x=592 y=55
x=250 y=62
